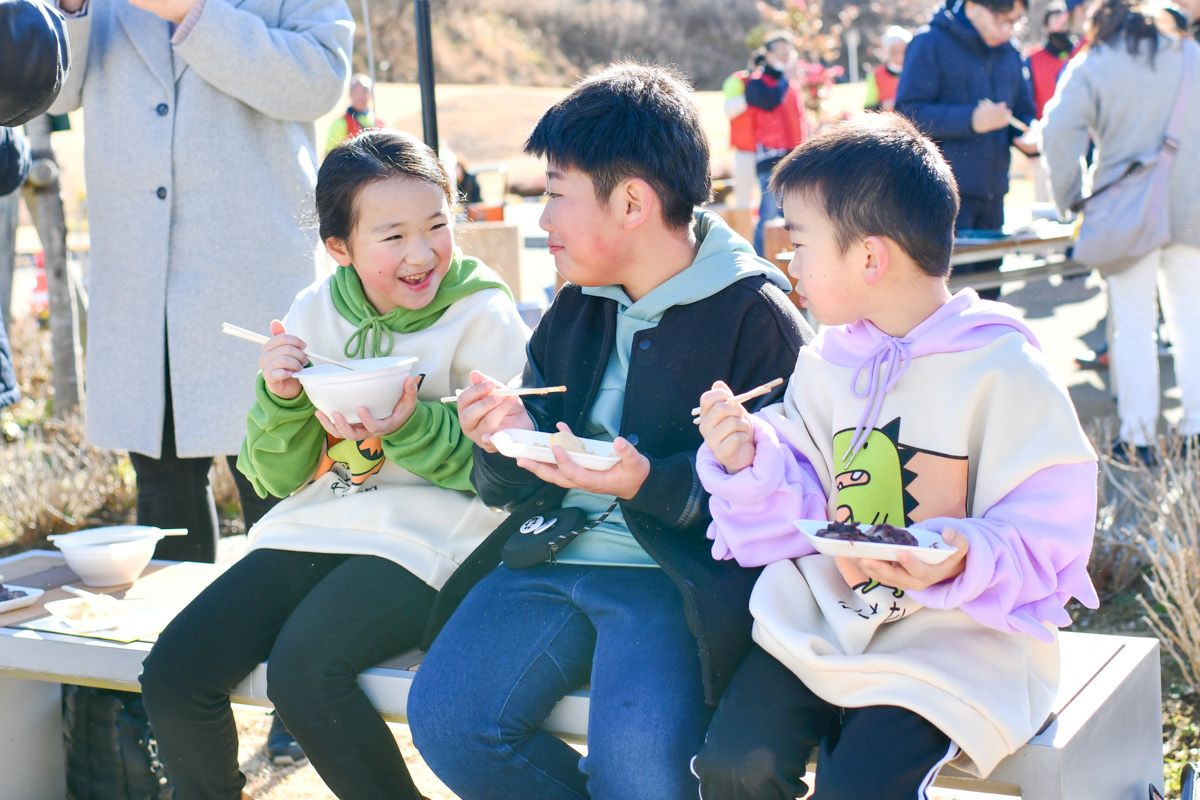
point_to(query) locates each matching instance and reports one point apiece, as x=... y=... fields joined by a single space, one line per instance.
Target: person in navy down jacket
x=963 y=83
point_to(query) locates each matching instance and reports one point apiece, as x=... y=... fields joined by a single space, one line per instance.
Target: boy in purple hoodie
x=917 y=408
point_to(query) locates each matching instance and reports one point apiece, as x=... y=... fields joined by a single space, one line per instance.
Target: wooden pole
x=44 y=201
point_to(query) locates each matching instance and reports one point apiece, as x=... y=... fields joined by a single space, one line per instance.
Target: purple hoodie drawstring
x=891 y=355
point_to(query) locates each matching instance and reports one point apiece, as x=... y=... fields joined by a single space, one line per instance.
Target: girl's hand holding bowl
x=337 y=424
x=281 y=358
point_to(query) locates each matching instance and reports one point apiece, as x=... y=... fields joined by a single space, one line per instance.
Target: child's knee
x=739 y=773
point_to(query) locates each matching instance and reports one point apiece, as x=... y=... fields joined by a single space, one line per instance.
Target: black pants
x=769 y=722
x=175 y=492
x=318 y=620
x=981 y=214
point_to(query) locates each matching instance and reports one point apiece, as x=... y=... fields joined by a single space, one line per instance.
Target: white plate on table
x=535 y=445
x=79 y=614
x=29 y=598
x=930 y=547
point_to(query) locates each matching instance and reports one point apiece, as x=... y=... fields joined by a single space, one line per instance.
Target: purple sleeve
x=1027 y=554
x=753 y=509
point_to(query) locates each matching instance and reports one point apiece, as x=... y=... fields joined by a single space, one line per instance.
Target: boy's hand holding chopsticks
x=485 y=407
x=726 y=426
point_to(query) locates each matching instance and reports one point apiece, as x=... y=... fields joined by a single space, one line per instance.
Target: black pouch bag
x=542 y=537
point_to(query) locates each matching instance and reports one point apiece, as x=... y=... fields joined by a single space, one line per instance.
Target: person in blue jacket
x=963 y=84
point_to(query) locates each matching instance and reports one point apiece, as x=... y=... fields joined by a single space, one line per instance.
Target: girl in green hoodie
x=342 y=573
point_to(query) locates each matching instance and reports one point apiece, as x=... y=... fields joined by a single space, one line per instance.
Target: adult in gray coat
x=1119 y=93
x=200 y=163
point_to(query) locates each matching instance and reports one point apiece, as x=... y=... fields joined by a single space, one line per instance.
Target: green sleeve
x=283 y=442
x=871 y=102
x=337 y=133
x=733 y=87
x=431 y=444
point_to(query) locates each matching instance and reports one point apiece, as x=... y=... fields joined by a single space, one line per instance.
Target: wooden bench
x=1103 y=742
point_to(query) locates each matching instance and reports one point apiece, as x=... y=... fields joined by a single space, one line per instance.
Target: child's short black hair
x=631 y=121
x=1001 y=6
x=878 y=176
x=373 y=155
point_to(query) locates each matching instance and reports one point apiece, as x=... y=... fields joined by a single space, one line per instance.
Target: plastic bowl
x=376 y=383
x=99 y=561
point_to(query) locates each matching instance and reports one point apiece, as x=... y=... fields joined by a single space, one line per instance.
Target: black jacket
x=746 y=335
x=948 y=69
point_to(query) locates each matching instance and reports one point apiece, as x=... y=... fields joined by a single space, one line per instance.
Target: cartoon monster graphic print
x=899 y=484
x=351 y=462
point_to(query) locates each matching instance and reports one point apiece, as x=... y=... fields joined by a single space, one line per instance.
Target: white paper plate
x=30 y=597
x=535 y=445
x=931 y=549
x=69 y=612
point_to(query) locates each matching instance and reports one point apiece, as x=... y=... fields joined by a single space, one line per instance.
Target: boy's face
x=827 y=279
x=895 y=54
x=994 y=27
x=584 y=234
x=401 y=244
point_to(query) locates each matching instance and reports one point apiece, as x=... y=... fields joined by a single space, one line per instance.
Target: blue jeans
x=520 y=641
x=768 y=209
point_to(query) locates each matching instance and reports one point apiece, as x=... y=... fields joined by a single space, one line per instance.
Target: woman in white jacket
x=200 y=160
x=1119 y=93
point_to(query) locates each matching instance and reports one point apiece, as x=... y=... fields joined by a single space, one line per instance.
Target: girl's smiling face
x=401 y=242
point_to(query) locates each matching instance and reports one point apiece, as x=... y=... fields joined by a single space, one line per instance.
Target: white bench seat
x=1103 y=741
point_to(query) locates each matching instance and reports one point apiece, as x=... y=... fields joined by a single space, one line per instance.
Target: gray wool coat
x=200 y=163
x=1122 y=103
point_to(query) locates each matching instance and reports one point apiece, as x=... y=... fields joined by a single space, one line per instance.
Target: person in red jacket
x=1045 y=63
x=741 y=130
x=778 y=113
x=884 y=79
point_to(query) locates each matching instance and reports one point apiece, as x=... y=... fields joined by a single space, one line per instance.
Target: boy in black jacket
x=660 y=302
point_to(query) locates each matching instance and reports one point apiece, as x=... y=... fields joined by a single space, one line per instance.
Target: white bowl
x=376 y=383
x=99 y=561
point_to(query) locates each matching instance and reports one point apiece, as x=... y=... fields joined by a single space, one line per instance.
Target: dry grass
x=1160 y=508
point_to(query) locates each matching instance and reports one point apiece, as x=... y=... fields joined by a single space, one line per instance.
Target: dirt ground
x=265 y=781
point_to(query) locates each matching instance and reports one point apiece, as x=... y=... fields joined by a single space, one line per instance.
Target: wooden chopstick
x=757 y=391
x=258 y=338
x=513 y=392
x=1016 y=123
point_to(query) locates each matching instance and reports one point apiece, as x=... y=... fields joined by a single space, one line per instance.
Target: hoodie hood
x=723 y=258
x=966 y=322
x=953 y=19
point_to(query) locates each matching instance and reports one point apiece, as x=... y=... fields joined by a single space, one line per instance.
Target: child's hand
x=368 y=426
x=281 y=358
x=909 y=574
x=481 y=413
x=726 y=428
x=624 y=480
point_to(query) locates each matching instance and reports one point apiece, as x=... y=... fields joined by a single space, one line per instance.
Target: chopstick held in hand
x=250 y=336
x=512 y=392
x=757 y=391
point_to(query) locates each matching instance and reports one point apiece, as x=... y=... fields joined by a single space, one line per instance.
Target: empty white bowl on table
x=376 y=383
x=110 y=556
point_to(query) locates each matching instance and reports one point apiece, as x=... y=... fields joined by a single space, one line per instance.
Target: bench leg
x=32 y=760
x=1107 y=745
